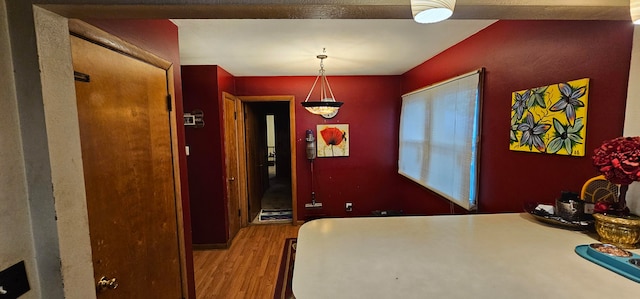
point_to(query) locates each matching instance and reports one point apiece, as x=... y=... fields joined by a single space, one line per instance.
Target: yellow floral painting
x=550 y=119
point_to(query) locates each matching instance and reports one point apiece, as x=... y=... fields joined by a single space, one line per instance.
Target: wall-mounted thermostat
x=194 y=118
x=189 y=119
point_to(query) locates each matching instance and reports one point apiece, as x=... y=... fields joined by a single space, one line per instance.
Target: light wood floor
x=248 y=269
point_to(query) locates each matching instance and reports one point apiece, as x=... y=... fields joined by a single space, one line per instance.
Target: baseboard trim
x=211 y=246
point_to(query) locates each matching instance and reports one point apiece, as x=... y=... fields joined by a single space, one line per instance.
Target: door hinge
x=169 y=106
x=82 y=77
x=235 y=115
x=239 y=212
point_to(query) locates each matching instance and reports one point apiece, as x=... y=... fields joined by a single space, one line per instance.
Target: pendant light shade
x=327 y=105
x=634 y=8
x=432 y=11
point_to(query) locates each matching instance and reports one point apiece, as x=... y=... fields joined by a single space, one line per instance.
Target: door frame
x=242 y=152
x=102 y=38
x=237 y=181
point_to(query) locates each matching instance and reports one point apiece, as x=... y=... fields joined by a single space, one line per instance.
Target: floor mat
x=275 y=214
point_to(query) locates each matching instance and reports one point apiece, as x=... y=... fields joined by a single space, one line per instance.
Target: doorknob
x=105 y=283
x=231 y=179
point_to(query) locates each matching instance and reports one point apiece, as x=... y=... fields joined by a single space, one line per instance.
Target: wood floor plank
x=248 y=269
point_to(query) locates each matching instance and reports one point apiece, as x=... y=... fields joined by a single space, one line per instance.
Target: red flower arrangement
x=619 y=161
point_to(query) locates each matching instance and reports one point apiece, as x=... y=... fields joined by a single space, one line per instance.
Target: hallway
x=276 y=201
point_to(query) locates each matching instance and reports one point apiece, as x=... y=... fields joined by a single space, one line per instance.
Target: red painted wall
x=519 y=55
x=203 y=86
x=368 y=176
x=205 y=157
x=160 y=37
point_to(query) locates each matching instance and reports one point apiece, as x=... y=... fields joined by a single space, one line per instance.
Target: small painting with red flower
x=333 y=140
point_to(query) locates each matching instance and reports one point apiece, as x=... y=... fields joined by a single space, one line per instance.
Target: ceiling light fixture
x=634 y=9
x=432 y=11
x=327 y=106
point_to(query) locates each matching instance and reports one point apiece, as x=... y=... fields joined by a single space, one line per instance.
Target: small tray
x=620 y=265
x=557 y=220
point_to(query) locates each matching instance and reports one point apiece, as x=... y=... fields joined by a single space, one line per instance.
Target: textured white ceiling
x=286 y=47
x=282 y=38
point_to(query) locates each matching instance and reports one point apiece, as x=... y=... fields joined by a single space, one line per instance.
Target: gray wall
x=15 y=223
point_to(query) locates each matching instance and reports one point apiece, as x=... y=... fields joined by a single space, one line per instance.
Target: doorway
x=268 y=162
x=268 y=142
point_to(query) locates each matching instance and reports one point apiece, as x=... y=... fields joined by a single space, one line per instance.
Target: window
x=440 y=138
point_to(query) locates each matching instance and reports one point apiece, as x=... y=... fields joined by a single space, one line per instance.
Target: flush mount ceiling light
x=634 y=9
x=327 y=106
x=432 y=11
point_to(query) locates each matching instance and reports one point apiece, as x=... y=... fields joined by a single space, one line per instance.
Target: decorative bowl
x=570 y=210
x=621 y=231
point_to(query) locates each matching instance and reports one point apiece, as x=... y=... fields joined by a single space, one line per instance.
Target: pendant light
x=327 y=105
x=634 y=9
x=432 y=11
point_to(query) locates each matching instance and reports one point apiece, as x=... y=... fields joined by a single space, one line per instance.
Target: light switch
x=13 y=281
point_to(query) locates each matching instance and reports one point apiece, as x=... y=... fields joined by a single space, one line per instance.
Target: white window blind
x=439 y=138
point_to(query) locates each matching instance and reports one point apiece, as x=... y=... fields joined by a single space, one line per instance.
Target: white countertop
x=468 y=256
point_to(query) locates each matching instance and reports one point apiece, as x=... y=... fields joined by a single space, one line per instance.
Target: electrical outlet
x=348 y=206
